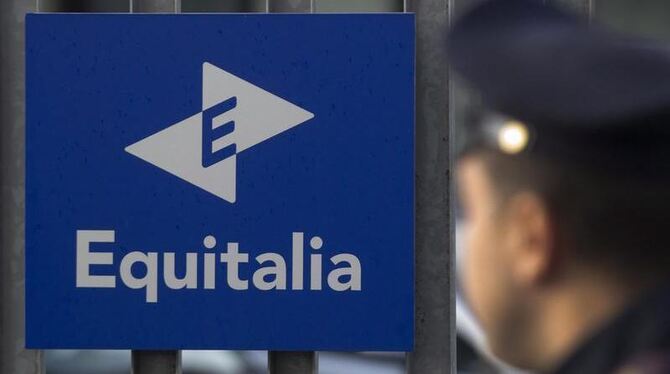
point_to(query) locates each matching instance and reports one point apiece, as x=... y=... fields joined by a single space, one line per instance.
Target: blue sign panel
x=220 y=181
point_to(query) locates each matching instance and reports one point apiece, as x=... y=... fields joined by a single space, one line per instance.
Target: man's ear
x=530 y=238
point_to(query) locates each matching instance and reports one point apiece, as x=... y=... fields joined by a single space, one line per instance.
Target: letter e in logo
x=202 y=149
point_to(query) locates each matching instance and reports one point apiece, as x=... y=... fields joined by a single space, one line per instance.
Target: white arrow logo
x=202 y=149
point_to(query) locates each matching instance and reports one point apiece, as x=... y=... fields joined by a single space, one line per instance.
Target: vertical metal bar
x=435 y=331
x=290 y=6
x=284 y=362
x=82 y=6
x=155 y=6
x=154 y=361
x=14 y=358
x=583 y=7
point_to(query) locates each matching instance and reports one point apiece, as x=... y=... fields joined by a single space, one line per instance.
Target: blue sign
x=220 y=181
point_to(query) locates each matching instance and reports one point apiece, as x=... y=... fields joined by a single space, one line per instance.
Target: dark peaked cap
x=538 y=63
x=581 y=88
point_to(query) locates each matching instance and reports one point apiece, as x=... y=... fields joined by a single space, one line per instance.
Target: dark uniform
x=636 y=342
x=588 y=96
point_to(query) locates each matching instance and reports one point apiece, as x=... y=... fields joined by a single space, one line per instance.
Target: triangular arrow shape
x=178 y=150
x=257 y=115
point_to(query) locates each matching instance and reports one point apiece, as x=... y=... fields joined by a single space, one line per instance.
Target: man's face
x=488 y=282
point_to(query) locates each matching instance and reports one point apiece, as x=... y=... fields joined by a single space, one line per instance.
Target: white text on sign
x=269 y=272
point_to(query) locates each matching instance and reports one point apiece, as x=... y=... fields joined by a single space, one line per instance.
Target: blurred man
x=565 y=184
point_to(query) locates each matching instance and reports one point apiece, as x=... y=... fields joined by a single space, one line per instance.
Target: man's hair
x=616 y=222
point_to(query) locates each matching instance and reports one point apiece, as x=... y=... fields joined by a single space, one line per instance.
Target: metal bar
x=14 y=358
x=154 y=361
x=435 y=328
x=82 y=6
x=155 y=6
x=583 y=7
x=290 y=6
x=285 y=362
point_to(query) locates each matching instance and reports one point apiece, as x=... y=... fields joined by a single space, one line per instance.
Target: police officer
x=565 y=186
